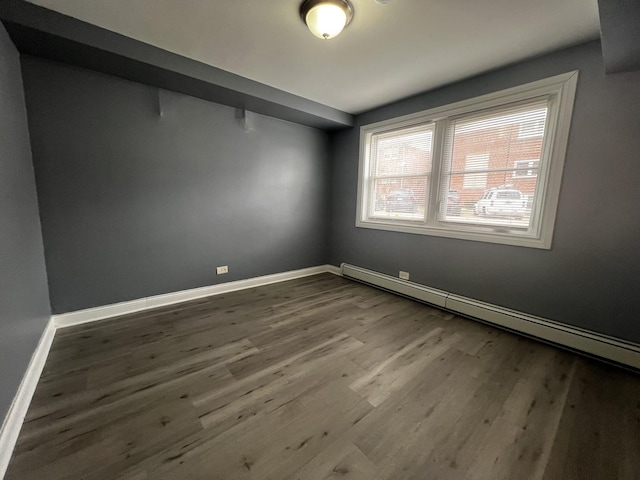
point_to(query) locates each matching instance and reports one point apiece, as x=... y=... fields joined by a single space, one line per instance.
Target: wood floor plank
x=601 y=416
x=440 y=411
x=340 y=460
x=403 y=366
x=518 y=442
x=322 y=378
x=303 y=376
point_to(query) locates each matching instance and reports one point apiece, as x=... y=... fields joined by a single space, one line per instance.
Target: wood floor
x=322 y=378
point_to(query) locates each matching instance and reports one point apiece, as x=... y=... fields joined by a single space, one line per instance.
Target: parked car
x=453 y=203
x=502 y=202
x=402 y=200
x=380 y=203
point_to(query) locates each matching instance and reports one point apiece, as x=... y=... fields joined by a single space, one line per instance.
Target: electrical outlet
x=222 y=270
x=404 y=275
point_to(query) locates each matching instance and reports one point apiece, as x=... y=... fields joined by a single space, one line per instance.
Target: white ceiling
x=388 y=52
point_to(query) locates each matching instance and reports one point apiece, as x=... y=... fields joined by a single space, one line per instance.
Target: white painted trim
x=603 y=346
x=18 y=410
x=404 y=287
x=611 y=348
x=107 y=311
x=335 y=270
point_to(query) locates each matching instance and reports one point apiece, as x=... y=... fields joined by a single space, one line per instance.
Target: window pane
x=401 y=198
x=475 y=161
x=491 y=168
x=402 y=152
x=506 y=206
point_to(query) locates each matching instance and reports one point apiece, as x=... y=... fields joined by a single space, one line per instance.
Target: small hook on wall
x=244 y=118
x=160 y=111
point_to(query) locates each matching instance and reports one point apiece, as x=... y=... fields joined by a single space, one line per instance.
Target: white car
x=502 y=202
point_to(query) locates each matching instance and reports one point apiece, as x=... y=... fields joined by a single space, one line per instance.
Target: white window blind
x=532 y=128
x=489 y=145
x=399 y=172
x=475 y=161
x=485 y=169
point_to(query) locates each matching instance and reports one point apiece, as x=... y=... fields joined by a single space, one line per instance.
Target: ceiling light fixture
x=326 y=18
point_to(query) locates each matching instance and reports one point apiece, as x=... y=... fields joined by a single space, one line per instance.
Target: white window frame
x=559 y=90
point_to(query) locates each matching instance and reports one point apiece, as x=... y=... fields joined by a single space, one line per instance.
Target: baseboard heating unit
x=591 y=343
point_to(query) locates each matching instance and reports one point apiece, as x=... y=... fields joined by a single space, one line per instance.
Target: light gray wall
x=24 y=299
x=591 y=276
x=135 y=204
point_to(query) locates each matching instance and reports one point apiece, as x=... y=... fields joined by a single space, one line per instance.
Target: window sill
x=479 y=234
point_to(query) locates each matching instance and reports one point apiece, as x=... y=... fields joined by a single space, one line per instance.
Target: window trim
x=560 y=89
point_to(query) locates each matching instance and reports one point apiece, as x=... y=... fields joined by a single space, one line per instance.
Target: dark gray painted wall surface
x=135 y=204
x=591 y=276
x=24 y=300
x=620 y=33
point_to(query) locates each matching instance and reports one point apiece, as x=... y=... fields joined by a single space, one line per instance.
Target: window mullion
x=415 y=175
x=371 y=196
x=437 y=167
x=492 y=170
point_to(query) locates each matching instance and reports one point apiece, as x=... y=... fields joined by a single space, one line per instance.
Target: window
x=400 y=169
x=485 y=169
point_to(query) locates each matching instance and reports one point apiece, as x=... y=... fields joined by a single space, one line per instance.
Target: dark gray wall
x=591 y=276
x=135 y=204
x=620 y=34
x=24 y=299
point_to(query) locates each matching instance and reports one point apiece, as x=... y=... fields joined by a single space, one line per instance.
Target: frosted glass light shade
x=326 y=18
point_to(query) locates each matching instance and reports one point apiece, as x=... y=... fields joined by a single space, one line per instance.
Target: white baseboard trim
x=404 y=287
x=18 y=410
x=100 y=313
x=333 y=269
x=603 y=346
